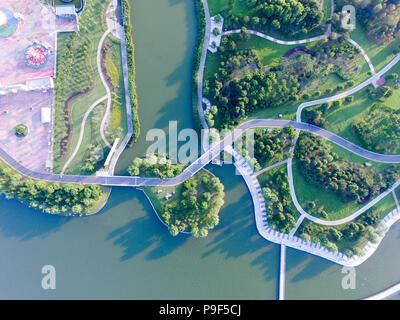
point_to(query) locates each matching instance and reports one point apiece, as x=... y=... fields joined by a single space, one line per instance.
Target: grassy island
x=192 y=206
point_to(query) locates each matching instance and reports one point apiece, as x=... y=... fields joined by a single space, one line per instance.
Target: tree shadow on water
x=239 y=238
x=309 y=266
x=19 y=221
x=145 y=234
x=182 y=75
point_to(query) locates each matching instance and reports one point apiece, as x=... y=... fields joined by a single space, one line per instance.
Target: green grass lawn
x=80 y=104
x=334 y=206
x=158 y=198
x=340 y=121
x=380 y=55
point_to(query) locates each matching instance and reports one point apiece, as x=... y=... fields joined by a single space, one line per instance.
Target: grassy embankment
x=130 y=50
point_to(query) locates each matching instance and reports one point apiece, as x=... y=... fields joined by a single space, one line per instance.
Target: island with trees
x=191 y=207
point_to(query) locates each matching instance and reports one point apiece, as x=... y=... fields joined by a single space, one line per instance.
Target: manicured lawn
x=80 y=104
x=216 y=6
x=341 y=120
x=270 y=53
x=380 y=55
x=334 y=206
x=157 y=199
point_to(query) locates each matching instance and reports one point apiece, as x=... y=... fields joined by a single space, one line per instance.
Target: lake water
x=125 y=252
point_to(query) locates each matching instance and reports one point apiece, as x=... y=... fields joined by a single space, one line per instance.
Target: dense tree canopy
x=278 y=202
x=380 y=18
x=380 y=129
x=197 y=206
x=350 y=181
x=52 y=198
x=154 y=166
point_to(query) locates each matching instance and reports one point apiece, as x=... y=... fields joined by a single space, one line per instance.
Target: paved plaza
x=25 y=108
x=36 y=25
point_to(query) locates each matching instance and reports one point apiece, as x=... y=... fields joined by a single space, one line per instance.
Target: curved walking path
x=103 y=80
x=106 y=114
x=200 y=75
x=332 y=222
x=277 y=164
x=83 y=124
x=282 y=42
x=128 y=105
x=200 y=162
x=364 y=54
x=349 y=92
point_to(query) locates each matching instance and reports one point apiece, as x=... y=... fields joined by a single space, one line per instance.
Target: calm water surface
x=125 y=252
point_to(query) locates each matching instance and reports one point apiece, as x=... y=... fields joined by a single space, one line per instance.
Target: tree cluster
x=154 y=166
x=350 y=181
x=54 y=198
x=196 y=210
x=380 y=129
x=278 y=202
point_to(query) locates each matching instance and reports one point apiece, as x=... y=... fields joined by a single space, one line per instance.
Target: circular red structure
x=36 y=55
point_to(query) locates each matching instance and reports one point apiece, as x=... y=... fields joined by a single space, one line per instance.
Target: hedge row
x=130 y=49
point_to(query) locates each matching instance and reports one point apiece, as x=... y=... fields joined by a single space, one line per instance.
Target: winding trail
x=106 y=114
x=277 y=164
x=353 y=90
x=282 y=42
x=364 y=54
x=103 y=80
x=81 y=134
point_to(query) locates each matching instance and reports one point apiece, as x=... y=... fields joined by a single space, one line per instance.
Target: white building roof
x=45 y=115
x=40 y=84
x=65 y=10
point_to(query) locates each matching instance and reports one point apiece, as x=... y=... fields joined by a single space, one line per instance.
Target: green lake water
x=125 y=252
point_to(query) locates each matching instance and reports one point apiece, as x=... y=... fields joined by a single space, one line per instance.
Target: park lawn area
x=270 y=53
x=216 y=6
x=379 y=54
x=394 y=100
x=341 y=120
x=328 y=7
x=385 y=206
x=158 y=199
x=80 y=104
x=157 y=194
x=91 y=137
x=118 y=126
x=213 y=61
x=239 y=8
x=334 y=206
